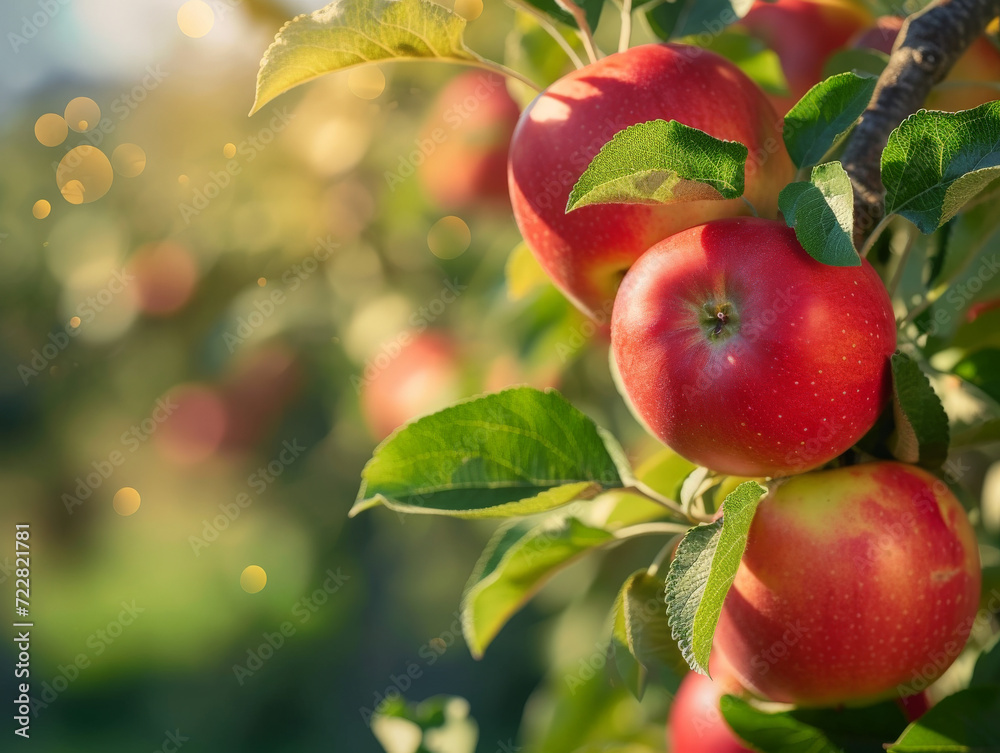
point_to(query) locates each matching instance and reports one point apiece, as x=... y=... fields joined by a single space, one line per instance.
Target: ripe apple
x=804 y=34
x=423 y=377
x=695 y=724
x=856 y=584
x=467 y=134
x=744 y=354
x=587 y=251
x=979 y=63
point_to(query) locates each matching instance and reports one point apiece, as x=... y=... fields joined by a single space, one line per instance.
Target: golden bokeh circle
x=195 y=18
x=126 y=501
x=82 y=114
x=51 y=129
x=449 y=237
x=128 y=160
x=366 y=82
x=84 y=175
x=470 y=10
x=253 y=579
x=229 y=151
x=74 y=322
x=41 y=209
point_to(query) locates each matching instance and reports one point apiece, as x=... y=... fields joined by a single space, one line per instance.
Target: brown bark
x=928 y=45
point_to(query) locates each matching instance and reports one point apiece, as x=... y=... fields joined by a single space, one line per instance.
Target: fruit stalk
x=932 y=41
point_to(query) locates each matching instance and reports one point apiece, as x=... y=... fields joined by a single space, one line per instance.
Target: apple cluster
x=747 y=356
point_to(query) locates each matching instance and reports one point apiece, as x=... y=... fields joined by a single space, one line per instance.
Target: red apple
x=587 y=251
x=467 y=135
x=421 y=377
x=746 y=355
x=980 y=64
x=804 y=34
x=695 y=723
x=856 y=584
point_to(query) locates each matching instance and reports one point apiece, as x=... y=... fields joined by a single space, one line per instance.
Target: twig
x=638 y=487
x=503 y=70
x=650 y=529
x=904 y=258
x=663 y=555
x=929 y=44
x=586 y=33
x=551 y=30
x=625 y=37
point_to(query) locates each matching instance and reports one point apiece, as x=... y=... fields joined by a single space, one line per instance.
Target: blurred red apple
x=465 y=141
x=856 y=584
x=416 y=375
x=257 y=390
x=695 y=724
x=587 y=251
x=165 y=277
x=804 y=34
x=980 y=64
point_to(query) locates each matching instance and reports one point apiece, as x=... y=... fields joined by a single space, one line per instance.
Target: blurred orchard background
x=208 y=322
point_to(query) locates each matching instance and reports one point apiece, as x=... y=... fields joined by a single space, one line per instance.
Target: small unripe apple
x=745 y=355
x=695 y=723
x=978 y=66
x=857 y=584
x=465 y=137
x=804 y=34
x=587 y=251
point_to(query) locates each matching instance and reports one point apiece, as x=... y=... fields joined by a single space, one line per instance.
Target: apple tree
x=790 y=211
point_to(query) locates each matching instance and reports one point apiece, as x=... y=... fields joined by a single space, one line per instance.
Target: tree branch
x=927 y=47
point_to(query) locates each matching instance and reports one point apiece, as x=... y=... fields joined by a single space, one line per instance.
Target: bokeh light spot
x=195 y=18
x=84 y=175
x=82 y=114
x=126 y=501
x=253 y=579
x=129 y=160
x=366 y=82
x=229 y=150
x=470 y=10
x=51 y=129
x=74 y=322
x=261 y=282
x=449 y=237
x=183 y=179
x=41 y=209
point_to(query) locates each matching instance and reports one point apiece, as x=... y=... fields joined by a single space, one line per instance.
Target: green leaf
x=641 y=637
x=921 y=435
x=822 y=214
x=344 y=34
x=851 y=730
x=935 y=162
x=517 y=561
x=752 y=56
x=702 y=571
x=591 y=8
x=399 y=725
x=774 y=733
x=665 y=472
x=987 y=669
x=966 y=721
x=660 y=162
x=982 y=369
x=825 y=115
x=870 y=62
x=516 y=452
x=681 y=18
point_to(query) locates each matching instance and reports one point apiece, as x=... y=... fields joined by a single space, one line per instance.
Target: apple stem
x=586 y=34
x=625 y=38
x=663 y=555
x=904 y=257
x=650 y=529
x=638 y=487
x=870 y=240
x=551 y=30
x=753 y=209
x=503 y=70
